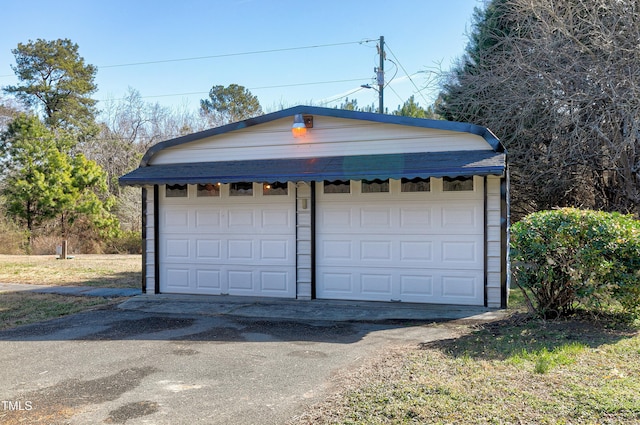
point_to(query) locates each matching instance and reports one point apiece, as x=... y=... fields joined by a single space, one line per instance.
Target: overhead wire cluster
x=254 y=52
x=419 y=91
x=387 y=84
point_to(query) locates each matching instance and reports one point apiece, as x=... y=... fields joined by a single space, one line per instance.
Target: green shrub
x=569 y=257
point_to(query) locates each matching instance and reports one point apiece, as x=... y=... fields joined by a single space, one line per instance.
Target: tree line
x=61 y=157
x=556 y=80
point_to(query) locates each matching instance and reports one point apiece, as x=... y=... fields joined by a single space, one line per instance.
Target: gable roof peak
x=483 y=132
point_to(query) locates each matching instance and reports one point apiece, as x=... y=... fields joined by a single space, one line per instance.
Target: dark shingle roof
x=357 y=167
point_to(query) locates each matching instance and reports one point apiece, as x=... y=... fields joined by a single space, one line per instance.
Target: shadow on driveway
x=235 y=319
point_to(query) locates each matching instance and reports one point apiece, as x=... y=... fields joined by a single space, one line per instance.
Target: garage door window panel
x=241 y=189
x=457 y=184
x=209 y=189
x=375 y=186
x=176 y=191
x=275 y=189
x=416 y=185
x=337 y=186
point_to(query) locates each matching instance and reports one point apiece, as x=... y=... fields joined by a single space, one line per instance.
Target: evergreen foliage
x=568 y=258
x=230 y=104
x=44 y=182
x=54 y=77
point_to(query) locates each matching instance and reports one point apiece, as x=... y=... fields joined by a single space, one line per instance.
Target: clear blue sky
x=421 y=35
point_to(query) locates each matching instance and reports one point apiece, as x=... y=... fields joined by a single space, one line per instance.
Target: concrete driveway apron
x=209 y=360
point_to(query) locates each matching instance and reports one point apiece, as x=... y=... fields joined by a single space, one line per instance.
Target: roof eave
x=361 y=167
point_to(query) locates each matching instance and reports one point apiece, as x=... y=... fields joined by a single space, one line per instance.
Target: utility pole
x=380 y=76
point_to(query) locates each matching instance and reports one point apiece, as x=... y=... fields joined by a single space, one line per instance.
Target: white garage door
x=222 y=244
x=424 y=246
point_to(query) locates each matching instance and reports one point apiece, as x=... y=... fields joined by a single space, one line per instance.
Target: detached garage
x=324 y=203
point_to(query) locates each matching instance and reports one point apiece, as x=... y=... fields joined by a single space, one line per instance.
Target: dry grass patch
x=515 y=371
x=114 y=271
x=109 y=271
x=21 y=308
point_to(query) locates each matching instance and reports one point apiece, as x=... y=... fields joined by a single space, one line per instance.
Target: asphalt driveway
x=142 y=363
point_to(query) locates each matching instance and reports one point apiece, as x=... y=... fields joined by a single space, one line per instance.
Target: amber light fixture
x=300 y=125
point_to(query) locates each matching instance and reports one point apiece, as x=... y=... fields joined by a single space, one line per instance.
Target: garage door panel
x=241 y=281
x=406 y=285
x=335 y=282
x=416 y=252
x=274 y=281
x=460 y=253
x=178 y=277
x=277 y=250
x=208 y=221
x=241 y=220
x=276 y=220
x=336 y=219
x=377 y=285
x=208 y=249
x=376 y=250
x=177 y=249
x=462 y=288
x=375 y=218
x=461 y=217
x=416 y=287
x=175 y=220
x=424 y=248
x=240 y=249
x=228 y=246
x=336 y=250
x=208 y=281
x=416 y=218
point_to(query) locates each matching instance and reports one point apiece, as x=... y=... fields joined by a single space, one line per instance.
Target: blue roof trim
x=483 y=132
x=358 y=167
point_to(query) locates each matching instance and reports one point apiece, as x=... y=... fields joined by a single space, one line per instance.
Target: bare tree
x=128 y=128
x=9 y=110
x=558 y=82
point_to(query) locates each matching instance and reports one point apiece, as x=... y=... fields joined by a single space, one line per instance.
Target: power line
x=363 y=41
x=335 y=99
x=407 y=74
x=226 y=55
x=396 y=93
x=251 y=88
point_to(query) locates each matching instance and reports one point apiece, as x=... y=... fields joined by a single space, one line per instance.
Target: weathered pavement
x=89 y=291
x=330 y=310
x=210 y=360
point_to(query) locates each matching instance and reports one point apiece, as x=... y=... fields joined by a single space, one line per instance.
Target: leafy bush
x=569 y=257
